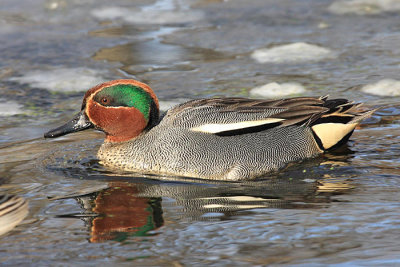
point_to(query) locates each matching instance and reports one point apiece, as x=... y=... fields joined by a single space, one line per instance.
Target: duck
x=226 y=138
x=13 y=209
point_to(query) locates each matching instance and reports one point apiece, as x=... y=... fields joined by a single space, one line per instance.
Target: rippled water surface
x=340 y=209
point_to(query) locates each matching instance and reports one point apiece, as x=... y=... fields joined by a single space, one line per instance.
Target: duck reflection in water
x=116 y=213
x=133 y=208
x=122 y=212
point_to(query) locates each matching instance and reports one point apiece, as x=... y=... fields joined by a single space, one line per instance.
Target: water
x=338 y=209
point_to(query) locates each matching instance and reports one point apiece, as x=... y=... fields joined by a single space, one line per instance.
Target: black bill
x=79 y=123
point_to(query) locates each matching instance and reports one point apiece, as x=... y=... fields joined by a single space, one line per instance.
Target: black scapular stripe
x=334 y=119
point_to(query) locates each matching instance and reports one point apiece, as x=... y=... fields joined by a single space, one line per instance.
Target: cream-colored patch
x=217 y=206
x=217 y=127
x=236 y=198
x=331 y=133
x=213 y=206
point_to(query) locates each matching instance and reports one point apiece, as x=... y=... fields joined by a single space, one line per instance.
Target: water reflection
x=131 y=209
x=117 y=212
x=122 y=212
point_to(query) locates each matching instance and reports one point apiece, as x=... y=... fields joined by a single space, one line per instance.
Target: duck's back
x=235 y=138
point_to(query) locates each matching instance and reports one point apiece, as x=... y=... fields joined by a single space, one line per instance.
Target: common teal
x=13 y=210
x=218 y=138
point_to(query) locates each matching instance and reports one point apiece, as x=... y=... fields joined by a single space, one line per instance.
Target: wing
x=233 y=116
x=331 y=121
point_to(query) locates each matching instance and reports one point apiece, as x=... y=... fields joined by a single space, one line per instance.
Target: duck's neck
x=130 y=126
x=120 y=138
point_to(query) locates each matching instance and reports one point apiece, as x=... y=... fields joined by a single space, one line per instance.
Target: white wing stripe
x=219 y=127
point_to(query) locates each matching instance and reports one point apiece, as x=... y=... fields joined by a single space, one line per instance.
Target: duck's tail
x=335 y=126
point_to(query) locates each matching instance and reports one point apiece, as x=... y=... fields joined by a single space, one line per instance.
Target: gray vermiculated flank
x=212 y=156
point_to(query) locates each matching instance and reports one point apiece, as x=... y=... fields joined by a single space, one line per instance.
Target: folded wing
x=330 y=120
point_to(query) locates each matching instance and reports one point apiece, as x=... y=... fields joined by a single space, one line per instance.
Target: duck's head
x=122 y=109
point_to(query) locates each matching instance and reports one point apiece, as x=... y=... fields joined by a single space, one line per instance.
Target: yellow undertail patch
x=331 y=133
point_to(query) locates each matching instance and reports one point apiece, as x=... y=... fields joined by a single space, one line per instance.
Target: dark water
x=339 y=209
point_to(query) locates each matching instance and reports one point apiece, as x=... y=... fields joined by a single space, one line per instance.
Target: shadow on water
x=131 y=204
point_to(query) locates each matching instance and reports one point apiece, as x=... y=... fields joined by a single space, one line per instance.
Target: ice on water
x=364 y=7
x=385 y=87
x=275 y=90
x=9 y=108
x=293 y=53
x=61 y=79
x=147 y=16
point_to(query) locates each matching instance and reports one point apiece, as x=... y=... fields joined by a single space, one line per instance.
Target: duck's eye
x=105 y=101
